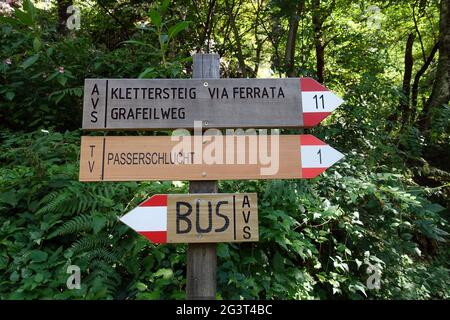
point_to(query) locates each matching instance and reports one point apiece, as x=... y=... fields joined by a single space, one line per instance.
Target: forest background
x=382 y=213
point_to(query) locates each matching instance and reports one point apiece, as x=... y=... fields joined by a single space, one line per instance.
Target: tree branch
x=419 y=74
x=418 y=33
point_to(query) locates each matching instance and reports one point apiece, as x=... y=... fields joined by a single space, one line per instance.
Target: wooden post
x=202 y=258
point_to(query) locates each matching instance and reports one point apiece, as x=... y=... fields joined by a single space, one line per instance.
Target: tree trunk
x=415 y=86
x=63 y=15
x=257 y=58
x=291 y=40
x=440 y=94
x=275 y=38
x=237 y=38
x=258 y=40
x=205 y=37
x=409 y=62
x=319 y=43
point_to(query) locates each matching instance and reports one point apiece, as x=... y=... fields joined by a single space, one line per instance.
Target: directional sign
x=180 y=218
x=218 y=103
x=138 y=158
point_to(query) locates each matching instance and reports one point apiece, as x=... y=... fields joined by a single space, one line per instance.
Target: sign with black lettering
x=196 y=218
x=218 y=103
x=225 y=157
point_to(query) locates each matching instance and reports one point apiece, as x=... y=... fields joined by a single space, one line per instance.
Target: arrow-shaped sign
x=317 y=102
x=180 y=218
x=218 y=103
x=316 y=156
x=141 y=158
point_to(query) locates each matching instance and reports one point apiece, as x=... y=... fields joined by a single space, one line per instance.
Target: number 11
x=317 y=103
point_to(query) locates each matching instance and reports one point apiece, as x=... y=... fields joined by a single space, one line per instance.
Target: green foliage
x=165 y=31
x=42 y=85
x=43 y=76
x=59 y=221
x=317 y=238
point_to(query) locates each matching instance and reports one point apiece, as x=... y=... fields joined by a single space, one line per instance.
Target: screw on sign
x=196 y=218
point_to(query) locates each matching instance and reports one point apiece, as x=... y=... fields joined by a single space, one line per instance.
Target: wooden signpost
x=204 y=216
x=131 y=158
x=111 y=104
x=196 y=218
x=201 y=264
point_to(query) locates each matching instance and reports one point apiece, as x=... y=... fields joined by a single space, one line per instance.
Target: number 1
x=320 y=155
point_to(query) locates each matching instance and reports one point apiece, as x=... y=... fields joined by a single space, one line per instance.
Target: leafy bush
x=317 y=238
x=49 y=220
x=43 y=74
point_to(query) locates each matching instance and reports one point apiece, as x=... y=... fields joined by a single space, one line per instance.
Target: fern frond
x=81 y=201
x=106 y=274
x=54 y=201
x=79 y=223
x=88 y=243
x=98 y=265
x=104 y=254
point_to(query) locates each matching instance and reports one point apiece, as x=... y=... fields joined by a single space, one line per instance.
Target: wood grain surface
x=139 y=158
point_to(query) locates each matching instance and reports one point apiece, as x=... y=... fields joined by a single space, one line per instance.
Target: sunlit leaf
x=155 y=17
x=180 y=26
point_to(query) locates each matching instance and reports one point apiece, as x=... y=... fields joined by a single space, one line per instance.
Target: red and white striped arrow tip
x=316 y=156
x=149 y=218
x=317 y=102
